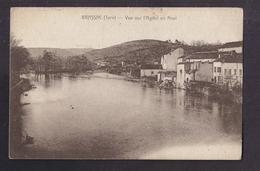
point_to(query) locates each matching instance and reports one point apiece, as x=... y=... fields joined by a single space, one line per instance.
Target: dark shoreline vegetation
x=16 y=135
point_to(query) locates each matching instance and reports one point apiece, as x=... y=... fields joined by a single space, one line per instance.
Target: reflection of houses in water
x=230 y=118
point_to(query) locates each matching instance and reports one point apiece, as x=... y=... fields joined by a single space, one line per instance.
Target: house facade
x=196 y=67
x=228 y=70
x=204 y=72
x=167 y=75
x=150 y=70
x=169 y=61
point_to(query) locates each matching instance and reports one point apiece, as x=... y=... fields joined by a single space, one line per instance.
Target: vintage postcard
x=126 y=83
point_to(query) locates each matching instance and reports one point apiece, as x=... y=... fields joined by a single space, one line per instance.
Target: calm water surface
x=75 y=117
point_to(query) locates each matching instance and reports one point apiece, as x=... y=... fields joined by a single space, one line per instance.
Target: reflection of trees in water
x=17 y=134
x=47 y=79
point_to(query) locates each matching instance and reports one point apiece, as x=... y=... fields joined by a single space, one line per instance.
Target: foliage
x=19 y=55
x=48 y=59
x=78 y=64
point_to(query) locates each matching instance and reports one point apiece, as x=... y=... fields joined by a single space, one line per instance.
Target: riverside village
x=194 y=80
x=216 y=73
x=164 y=89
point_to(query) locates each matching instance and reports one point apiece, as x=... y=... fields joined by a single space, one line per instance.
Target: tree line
x=21 y=62
x=49 y=62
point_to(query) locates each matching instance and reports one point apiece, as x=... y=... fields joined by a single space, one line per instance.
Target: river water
x=102 y=118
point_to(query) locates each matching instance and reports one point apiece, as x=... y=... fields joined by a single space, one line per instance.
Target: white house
x=169 y=61
x=150 y=70
x=232 y=46
x=167 y=75
x=228 y=70
x=198 y=65
x=181 y=75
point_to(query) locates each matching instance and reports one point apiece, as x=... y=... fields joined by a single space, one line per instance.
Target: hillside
x=35 y=52
x=139 y=50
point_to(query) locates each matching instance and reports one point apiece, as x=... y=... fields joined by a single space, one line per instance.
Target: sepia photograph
x=126 y=83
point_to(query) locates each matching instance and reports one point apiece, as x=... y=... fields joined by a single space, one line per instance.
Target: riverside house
x=150 y=70
x=169 y=65
x=228 y=70
x=169 y=61
x=195 y=67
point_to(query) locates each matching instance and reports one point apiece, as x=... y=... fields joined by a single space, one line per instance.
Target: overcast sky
x=66 y=28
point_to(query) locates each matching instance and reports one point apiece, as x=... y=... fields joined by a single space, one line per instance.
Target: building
x=204 y=72
x=169 y=65
x=228 y=70
x=182 y=76
x=169 y=61
x=232 y=46
x=196 y=67
x=208 y=56
x=166 y=75
x=150 y=70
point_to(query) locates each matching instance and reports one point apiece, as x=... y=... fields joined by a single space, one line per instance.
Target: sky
x=103 y=27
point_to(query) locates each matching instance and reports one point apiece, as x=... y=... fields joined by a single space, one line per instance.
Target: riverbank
x=214 y=92
x=17 y=137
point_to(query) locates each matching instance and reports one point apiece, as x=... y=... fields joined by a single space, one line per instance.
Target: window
x=214 y=69
x=225 y=71
x=240 y=72
x=219 y=79
x=197 y=65
x=229 y=72
x=219 y=69
x=235 y=72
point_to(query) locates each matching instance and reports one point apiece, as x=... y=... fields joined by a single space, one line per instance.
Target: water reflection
x=104 y=118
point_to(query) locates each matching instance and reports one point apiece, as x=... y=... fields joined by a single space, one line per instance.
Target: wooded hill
x=139 y=50
x=144 y=51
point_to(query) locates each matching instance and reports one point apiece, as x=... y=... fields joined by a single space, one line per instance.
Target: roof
x=181 y=57
x=230 y=58
x=167 y=72
x=203 y=55
x=151 y=66
x=233 y=44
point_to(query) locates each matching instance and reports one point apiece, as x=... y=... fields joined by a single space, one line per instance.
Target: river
x=74 y=117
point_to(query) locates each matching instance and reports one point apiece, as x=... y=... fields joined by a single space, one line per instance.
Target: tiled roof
x=233 y=44
x=230 y=58
x=203 y=55
x=167 y=72
x=151 y=66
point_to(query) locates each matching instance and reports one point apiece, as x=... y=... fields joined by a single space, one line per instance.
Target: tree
x=19 y=55
x=48 y=59
x=199 y=43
